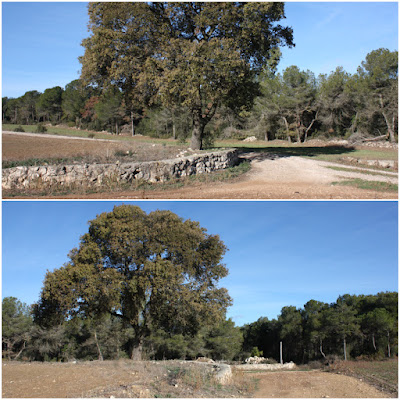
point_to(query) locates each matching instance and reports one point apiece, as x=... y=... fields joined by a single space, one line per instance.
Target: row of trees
x=364 y=325
x=77 y=105
x=294 y=105
x=107 y=338
x=353 y=326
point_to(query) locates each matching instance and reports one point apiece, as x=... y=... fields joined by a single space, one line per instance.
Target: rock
x=254 y=360
x=92 y=175
x=206 y=360
x=250 y=139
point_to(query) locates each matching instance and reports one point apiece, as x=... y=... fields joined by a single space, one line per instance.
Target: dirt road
x=311 y=384
x=273 y=177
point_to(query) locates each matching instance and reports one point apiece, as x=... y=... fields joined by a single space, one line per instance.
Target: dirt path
x=273 y=177
x=311 y=384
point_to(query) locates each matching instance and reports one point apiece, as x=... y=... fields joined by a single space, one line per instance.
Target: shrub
x=91 y=135
x=40 y=128
x=19 y=129
x=255 y=352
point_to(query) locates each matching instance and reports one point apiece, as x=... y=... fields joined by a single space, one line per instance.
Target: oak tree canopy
x=200 y=55
x=153 y=271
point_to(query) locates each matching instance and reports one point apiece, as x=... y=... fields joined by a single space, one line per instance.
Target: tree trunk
x=390 y=127
x=388 y=345
x=344 y=349
x=320 y=349
x=100 y=354
x=196 y=142
x=132 y=125
x=136 y=348
x=373 y=341
x=19 y=353
x=287 y=129
x=310 y=126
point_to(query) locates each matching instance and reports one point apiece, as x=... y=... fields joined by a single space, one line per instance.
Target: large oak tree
x=153 y=271
x=197 y=54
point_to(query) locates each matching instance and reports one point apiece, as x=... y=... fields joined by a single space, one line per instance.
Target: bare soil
x=312 y=384
x=117 y=379
x=147 y=379
x=24 y=146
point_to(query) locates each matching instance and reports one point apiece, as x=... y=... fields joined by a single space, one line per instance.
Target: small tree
x=378 y=87
x=343 y=322
x=16 y=325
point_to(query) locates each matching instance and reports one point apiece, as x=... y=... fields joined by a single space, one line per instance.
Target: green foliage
x=16 y=326
x=292 y=105
x=255 y=352
x=49 y=104
x=353 y=325
x=152 y=271
x=19 y=129
x=40 y=128
x=195 y=55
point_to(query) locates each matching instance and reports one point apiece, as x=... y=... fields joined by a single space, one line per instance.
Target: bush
x=91 y=135
x=255 y=352
x=19 y=129
x=40 y=128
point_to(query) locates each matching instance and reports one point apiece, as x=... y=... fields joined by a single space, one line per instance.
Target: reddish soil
x=23 y=146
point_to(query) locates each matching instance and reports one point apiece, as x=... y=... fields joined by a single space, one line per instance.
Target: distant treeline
x=294 y=105
x=352 y=327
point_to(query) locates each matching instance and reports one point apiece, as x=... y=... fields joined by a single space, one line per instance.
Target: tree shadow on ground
x=309 y=151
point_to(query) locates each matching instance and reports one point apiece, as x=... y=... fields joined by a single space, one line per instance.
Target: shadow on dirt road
x=309 y=151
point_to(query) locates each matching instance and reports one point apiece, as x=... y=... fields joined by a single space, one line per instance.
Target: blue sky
x=280 y=253
x=41 y=41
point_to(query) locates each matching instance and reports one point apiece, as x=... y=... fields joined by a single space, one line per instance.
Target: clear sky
x=280 y=253
x=41 y=41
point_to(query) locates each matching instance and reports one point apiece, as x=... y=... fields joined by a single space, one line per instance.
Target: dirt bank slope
x=311 y=384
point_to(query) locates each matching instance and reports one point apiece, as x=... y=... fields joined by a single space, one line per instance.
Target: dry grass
x=177 y=379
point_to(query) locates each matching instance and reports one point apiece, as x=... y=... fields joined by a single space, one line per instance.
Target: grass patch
x=37 y=162
x=369 y=185
x=381 y=374
x=363 y=171
x=333 y=153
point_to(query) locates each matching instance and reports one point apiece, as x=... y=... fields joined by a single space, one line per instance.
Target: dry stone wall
x=94 y=175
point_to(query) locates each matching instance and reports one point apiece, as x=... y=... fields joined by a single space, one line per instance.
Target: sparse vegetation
x=19 y=128
x=360 y=171
x=369 y=185
x=381 y=374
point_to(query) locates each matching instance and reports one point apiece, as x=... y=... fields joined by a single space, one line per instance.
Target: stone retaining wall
x=92 y=175
x=268 y=367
